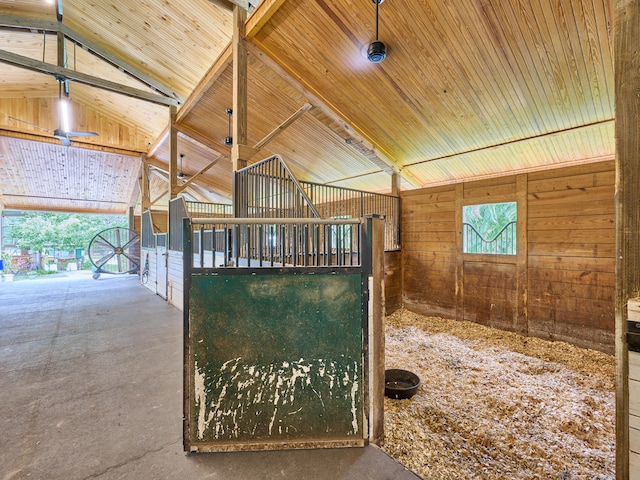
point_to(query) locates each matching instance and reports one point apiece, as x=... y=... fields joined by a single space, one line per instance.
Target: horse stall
x=268 y=189
x=283 y=337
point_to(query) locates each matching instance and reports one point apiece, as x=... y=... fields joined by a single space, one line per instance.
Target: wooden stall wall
x=392 y=281
x=429 y=257
x=561 y=283
x=572 y=255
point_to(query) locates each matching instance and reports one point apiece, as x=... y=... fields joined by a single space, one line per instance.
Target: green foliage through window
x=39 y=231
x=490 y=228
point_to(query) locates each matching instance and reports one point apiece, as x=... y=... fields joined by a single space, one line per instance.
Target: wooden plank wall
x=428 y=236
x=561 y=283
x=572 y=255
x=392 y=281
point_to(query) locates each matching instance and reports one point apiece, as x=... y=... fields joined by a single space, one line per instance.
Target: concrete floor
x=91 y=388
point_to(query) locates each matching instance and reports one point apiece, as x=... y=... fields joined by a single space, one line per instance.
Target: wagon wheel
x=115 y=250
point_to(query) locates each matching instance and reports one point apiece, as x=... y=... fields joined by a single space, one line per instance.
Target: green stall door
x=274 y=360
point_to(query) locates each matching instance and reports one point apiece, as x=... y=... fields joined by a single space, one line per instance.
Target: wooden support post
x=173 y=156
x=62 y=50
x=395 y=184
x=240 y=68
x=522 y=255
x=459 y=256
x=374 y=225
x=144 y=185
x=627 y=104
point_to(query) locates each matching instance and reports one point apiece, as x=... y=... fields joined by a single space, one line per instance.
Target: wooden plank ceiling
x=494 y=88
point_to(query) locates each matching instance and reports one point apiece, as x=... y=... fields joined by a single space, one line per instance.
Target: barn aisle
x=91 y=387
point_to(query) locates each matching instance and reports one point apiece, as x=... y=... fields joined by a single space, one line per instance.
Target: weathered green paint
x=275 y=358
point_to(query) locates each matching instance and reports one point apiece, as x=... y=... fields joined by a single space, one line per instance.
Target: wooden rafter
x=74 y=143
x=194 y=177
x=283 y=126
x=261 y=15
x=212 y=75
x=203 y=140
x=75 y=76
x=153 y=148
x=7 y=21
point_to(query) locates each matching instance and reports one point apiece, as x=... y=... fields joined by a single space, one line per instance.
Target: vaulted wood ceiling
x=468 y=90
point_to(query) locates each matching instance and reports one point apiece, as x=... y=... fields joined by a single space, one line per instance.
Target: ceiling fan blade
x=64 y=140
x=82 y=134
x=29 y=123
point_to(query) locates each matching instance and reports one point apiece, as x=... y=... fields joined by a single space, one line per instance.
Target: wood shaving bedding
x=498 y=405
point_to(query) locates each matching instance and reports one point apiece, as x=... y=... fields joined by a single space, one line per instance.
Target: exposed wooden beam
x=240 y=80
x=144 y=187
x=74 y=143
x=153 y=148
x=159 y=197
x=84 y=200
x=8 y=21
x=283 y=126
x=395 y=184
x=173 y=154
x=212 y=75
x=120 y=64
x=67 y=74
x=226 y=4
x=157 y=165
x=261 y=15
x=194 y=177
x=205 y=141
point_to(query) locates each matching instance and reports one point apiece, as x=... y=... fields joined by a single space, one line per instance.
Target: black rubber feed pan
x=400 y=383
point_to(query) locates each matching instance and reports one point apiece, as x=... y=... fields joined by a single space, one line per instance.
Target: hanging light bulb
x=64 y=109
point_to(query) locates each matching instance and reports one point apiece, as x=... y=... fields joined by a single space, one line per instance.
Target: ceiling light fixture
x=377 y=51
x=228 y=140
x=181 y=173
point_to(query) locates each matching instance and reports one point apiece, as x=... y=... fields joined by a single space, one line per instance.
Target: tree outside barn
x=43 y=242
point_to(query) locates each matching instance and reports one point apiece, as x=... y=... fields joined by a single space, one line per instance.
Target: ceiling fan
x=63 y=132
